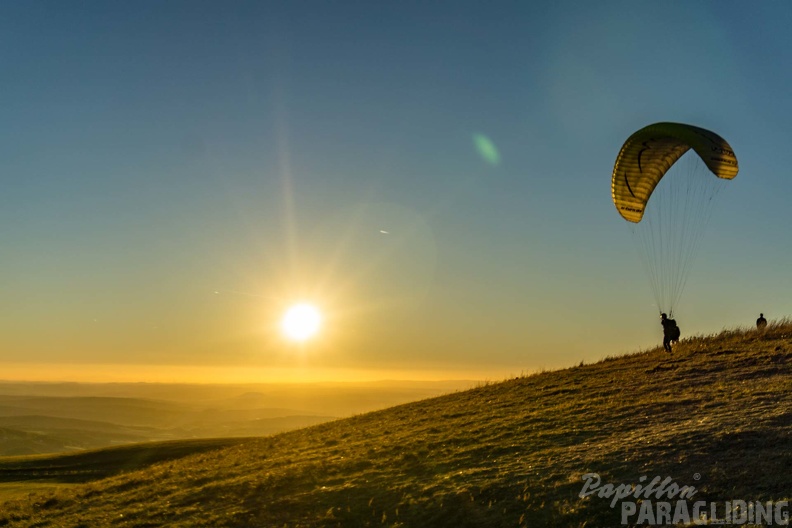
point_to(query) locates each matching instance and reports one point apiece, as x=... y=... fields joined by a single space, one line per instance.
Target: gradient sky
x=176 y=174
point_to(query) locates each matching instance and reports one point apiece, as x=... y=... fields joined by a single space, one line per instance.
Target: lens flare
x=486 y=149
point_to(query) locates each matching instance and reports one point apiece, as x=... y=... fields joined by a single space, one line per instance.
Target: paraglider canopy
x=649 y=153
x=668 y=228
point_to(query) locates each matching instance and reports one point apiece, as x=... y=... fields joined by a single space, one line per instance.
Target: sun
x=301 y=322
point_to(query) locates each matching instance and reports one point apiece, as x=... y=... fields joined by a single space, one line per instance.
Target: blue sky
x=155 y=153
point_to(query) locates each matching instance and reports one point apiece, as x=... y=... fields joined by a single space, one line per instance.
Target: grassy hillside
x=22 y=475
x=716 y=414
x=97 y=464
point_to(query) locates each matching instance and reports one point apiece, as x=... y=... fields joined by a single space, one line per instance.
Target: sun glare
x=301 y=322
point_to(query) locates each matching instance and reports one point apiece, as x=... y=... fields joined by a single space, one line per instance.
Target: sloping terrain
x=716 y=414
x=97 y=464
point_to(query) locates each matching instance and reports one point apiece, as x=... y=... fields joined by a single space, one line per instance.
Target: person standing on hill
x=670 y=331
x=761 y=323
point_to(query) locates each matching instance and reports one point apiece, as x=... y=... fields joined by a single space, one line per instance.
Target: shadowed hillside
x=716 y=414
x=92 y=465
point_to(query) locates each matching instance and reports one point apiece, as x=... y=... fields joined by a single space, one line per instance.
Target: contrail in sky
x=234 y=292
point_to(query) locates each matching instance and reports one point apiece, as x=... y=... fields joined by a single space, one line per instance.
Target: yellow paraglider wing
x=648 y=154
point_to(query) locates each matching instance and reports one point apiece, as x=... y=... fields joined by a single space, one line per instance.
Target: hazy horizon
x=232 y=375
x=54 y=416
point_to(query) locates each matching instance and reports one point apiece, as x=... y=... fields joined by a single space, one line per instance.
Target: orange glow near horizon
x=217 y=374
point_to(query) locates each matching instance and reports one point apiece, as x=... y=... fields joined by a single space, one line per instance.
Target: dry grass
x=502 y=454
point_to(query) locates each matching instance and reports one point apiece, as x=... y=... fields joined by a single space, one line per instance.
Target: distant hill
x=715 y=415
x=51 y=424
x=28 y=435
x=40 y=417
x=19 y=442
x=127 y=411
